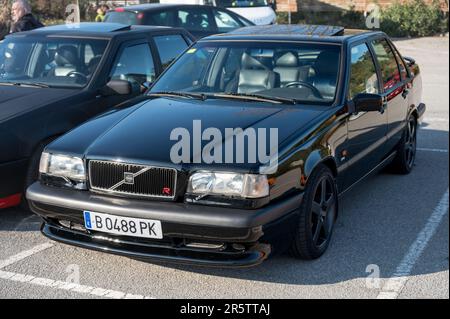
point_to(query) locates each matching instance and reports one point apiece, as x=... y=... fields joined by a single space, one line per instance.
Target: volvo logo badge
x=128 y=178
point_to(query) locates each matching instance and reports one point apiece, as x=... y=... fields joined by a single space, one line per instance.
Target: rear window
x=124 y=17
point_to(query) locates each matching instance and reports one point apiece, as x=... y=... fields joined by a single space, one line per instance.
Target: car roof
x=299 y=32
x=91 y=29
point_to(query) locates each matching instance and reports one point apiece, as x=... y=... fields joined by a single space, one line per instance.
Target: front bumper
x=193 y=234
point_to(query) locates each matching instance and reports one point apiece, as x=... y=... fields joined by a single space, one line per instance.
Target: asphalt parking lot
x=392 y=240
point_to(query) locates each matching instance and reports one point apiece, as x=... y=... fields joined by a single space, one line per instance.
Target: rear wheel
x=318 y=213
x=406 y=151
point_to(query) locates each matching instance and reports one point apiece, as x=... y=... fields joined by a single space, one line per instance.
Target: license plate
x=125 y=226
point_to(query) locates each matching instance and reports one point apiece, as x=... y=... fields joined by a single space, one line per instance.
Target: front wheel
x=317 y=215
x=33 y=171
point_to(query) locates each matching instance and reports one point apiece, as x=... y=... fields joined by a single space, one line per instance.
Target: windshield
x=242 y=3
x=52 y=62
x=302 y=72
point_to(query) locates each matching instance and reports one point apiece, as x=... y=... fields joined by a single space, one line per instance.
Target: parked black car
x=343 y=104
x=55 y=78
x=199 y=20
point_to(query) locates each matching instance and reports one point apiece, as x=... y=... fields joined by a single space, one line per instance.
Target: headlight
x=229 y=184
x=64 y=166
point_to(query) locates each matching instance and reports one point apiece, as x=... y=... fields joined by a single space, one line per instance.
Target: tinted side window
x=169 y=47
x=15 y=57
x=401 y=64
x=194 y=20
x=388 y=63
x=164 y=18
x=363 y=75
x=225 y=22
x=135 y=63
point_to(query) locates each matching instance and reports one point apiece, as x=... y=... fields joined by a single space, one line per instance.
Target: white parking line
x=397 y=282
x=56 y=284
x=24 y=221
x=435 y=119
x=436 y=150
x=67 y=286
x=24 y=254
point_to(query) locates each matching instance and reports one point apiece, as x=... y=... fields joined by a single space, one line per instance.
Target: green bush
x=347 y=18
x=414 y=18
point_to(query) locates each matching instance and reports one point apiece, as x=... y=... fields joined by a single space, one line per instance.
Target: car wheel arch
x=319 y=157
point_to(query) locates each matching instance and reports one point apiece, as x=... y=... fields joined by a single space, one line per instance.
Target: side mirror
x=118 y=87
x=409 y=61
x=366 y=102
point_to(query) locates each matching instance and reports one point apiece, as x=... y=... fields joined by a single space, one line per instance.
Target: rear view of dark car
x=55 y=78
x=200 y=21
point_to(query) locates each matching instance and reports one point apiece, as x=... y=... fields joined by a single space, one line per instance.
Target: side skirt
x=375 y=170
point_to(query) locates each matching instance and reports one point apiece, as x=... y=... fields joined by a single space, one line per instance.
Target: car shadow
x=19 y=220
x=382 y=217
x=373 y=235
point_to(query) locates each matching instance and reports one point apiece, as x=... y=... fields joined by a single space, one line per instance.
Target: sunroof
x=299 y=29
x=88 y=27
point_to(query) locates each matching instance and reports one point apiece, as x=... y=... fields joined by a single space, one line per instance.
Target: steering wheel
x=315 y=91
x=79 y=74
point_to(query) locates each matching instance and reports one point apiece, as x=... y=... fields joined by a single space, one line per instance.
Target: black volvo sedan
x=55 y=78
x=241 y=149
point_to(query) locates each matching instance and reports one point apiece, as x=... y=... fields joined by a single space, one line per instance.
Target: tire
x=406 y=150
x=32 y=172
x=317 y=215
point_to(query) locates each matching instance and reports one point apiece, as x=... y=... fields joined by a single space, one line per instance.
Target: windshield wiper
x=197 y=96
x=37 y=84
x=255 y=97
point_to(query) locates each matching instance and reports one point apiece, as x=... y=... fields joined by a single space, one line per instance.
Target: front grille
x=133 y=180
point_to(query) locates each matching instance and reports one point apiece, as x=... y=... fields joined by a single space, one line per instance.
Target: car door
x=197 y=20
x=132 y=61
x=135 y=63
x=367 y=131
x=394 y=89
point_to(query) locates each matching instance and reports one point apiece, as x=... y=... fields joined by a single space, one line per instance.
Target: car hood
x=143 y=133
x=18 y=100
